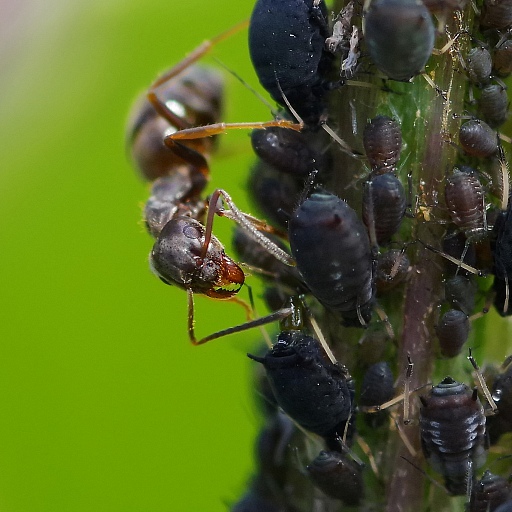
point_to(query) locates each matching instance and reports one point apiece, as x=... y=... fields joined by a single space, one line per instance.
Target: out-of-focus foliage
x=104 y=405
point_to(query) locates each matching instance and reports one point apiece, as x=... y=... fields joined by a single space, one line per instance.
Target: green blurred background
x=104 y=404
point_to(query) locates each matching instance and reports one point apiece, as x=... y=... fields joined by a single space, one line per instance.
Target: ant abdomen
x=332 y=251
x=452 y=424
x=382 y=140
x=195 y=98
x=338 y=477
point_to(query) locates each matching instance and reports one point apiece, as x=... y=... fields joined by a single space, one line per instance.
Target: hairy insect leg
x=242 y=220
x=273 y=317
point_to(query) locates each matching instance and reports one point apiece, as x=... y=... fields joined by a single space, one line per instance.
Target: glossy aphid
x=502 y=256
x=339 y=477
x=493 y=105
x=392 y=269
x=377 y=388
x=315 y=392
x=478 y=139
x=452 y=426
x=331 y=247
x=460 y=292
x=465 y=200
x=399 y=36
x=502 y=59
x=288 y=151
x=489 y=492
x=384 y=204
x=452 y=332
x=479 y=65
x=502 y=396
x=496 y=14
x=382 y=141
x=287 y=48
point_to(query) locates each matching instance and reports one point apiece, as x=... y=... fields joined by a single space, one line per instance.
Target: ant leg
x=193 y=57
x=273 y=317
x=240 y=218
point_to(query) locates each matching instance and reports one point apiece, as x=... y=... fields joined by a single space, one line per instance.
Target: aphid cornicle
x=338 y=477
x=452 y=425
x=313 y=391
x=332 y=250
x=399 y=36
x=287 y=47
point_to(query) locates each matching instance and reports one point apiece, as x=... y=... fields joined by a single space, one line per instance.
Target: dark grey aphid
x=496 y=14
x=287 y=47
x=502 y=59
x=288 y=151
x=478 y=139
x=452 y=426
x=332 y=250
x=384 y=206
x=392 y=269
x=314 y=392
x=489 y=492
x=452 y=332
x=337 y=476
x=479 y=65
x=399 y=36
x=382 y=140
x=465 y=199
x=493 y=105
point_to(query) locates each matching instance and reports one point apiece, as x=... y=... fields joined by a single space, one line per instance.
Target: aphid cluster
x=386 y=200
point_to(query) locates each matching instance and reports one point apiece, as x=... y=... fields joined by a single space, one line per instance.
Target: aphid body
x=314 y=392
x=331 y=248
x=399 y=36
x=452 y=424
x=452 y=332
x=382 y=140
x=338 y=477
x=478 y=139
x=489 y=492
x=287 y=47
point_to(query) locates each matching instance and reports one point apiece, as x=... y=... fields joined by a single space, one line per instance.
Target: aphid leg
x=273 y=317
x=241 y=219
x=368 y=452
x=432 y=84
x=407 y=391
x=482 y=385
x=385 y=319
x=403 y=436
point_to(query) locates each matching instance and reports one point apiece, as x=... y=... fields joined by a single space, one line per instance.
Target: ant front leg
x=245 y=222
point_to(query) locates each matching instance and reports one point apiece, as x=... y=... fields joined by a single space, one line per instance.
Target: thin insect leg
x=461 y=264
x=318 y=332
x=384 y=318
x=403 y=437
x=251 y=230
x=368 y=452
x=407 y=392
x=193 y=57
x=482 y=384
x=425 y=474
x=273 y=317
x=262 y=329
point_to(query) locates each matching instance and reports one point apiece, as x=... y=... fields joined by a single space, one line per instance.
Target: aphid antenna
x=482 y=385
x=275 y=113
x=248 y=225
x=407 y=390
x=273 y=317
x=426 y=475
x=459 y=263
x=262 y=329
x=365 y=447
